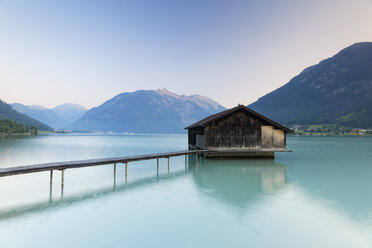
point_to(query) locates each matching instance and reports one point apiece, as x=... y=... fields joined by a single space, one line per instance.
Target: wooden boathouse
x=238 y=131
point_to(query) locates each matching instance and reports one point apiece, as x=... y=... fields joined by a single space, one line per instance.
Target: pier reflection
x=237 y=181
x=234 y=182
x=64 y=201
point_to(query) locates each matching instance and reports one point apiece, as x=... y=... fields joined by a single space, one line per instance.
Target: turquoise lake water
x=320 y=195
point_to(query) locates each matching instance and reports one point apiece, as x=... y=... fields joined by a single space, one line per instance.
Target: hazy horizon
x=86 y=52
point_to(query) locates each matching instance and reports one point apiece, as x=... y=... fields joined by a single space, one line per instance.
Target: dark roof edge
x=209 y=119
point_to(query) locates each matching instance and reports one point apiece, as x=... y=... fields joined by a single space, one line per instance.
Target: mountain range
x=338 y=90
x=7 y=112
x=147 y=111
x=58 y=117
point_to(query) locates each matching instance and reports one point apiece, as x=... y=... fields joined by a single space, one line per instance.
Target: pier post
x=168 y=164
x=62 y=182
x=51 y=186
x=157 y=168
x=50 y=193
x=114 y=175
x=196 y=158
x=126 y=169
x=51 y=177
x=63 y=178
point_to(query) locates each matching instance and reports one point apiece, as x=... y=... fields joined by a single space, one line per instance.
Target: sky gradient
x=86 y=52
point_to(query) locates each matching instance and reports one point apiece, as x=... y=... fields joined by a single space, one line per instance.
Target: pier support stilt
x=62 y=178
x=50 y=193
x=62 y=182
x=196 y=159
x=51 y=177
x=157 y=168
x=168 y=166
x=126 y=169
x=51 y=186
x=114 y=175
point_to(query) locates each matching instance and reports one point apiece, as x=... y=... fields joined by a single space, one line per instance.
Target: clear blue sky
x=86 y=52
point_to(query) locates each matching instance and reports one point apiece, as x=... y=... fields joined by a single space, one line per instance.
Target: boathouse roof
x=210 y=119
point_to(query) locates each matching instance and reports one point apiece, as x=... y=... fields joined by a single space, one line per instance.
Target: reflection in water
x=320 y=196
x=234 y=182
x=38 y=207
x=251 y=203
x=237 y=181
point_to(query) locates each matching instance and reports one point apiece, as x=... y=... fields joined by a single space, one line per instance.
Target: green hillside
x=338 y=90
x=6 y=112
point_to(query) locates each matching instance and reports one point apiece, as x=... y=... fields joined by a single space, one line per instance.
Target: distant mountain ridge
x=147 y=111
x=58 y=117
x=42 y=114
x=338 y=90
x=70 y=112
x=7 y=112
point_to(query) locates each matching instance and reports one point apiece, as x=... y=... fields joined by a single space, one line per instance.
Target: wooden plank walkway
x=11 y=171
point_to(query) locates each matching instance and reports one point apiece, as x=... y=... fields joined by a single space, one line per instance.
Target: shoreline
x=3 y=135
x=332 y=134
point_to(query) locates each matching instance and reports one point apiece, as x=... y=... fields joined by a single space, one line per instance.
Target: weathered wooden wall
x=232 y=137
x=267 y=136
x=200 y=141
x=192 y=137
x=238 y=130
x=279 y=138
x=240 y=119
x=272 y=138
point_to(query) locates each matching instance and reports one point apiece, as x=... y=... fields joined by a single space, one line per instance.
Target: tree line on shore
x=8 y=126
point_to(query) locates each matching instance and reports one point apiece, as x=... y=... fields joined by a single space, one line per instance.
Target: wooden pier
x=18 y=170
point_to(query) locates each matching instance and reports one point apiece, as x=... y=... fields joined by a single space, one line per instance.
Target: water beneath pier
x=317 y=196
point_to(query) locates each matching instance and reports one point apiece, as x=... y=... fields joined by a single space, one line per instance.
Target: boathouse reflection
x=237 y=181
